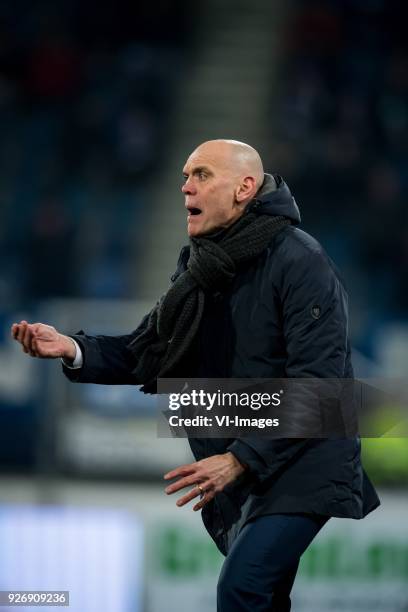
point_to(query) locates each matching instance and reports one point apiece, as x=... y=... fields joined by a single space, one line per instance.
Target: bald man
x=221 y=177
x=253 y=296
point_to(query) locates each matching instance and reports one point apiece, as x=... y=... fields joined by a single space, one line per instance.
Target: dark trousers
x=259 y=571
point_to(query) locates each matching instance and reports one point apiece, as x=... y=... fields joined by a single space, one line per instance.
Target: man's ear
x=246 y=190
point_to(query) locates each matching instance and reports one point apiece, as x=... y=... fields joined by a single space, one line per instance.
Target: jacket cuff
x=74 y=374
x=78 y=360
x=247 y=456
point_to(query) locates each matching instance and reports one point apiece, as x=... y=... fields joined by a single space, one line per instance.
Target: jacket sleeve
x=107 y=361
x=315 y=330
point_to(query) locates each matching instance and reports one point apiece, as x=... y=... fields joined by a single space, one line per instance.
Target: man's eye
x=185 y=177
x=202 y=176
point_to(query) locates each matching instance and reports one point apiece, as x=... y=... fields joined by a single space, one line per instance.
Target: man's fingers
x=195 y=492
x=21 y=331
x=16 y=330
x=24 y=337
x=33 y=346
x=183 y=470
x=29 y=339
x=181 y=484
x=204 y=500
x=39 y=350
x=28 y=336
x=35 y=330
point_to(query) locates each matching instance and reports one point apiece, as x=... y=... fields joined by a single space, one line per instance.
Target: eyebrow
x=198 y=169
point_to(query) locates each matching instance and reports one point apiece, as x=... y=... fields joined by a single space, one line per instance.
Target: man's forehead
x=209 y=156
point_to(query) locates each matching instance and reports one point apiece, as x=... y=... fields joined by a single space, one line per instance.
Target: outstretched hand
x=40 y=340
x=207 y=477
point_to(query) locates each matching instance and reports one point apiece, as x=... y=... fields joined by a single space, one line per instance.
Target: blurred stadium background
x=99 y=107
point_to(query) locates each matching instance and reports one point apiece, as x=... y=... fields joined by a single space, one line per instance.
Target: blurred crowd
x=342 y=140
x=85 y=95
x=85 y=92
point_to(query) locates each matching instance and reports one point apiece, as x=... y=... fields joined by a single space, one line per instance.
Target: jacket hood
x=275 y=198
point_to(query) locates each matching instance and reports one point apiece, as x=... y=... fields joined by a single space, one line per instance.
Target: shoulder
x=293 y=244
x=301 y=258
x=295 y=248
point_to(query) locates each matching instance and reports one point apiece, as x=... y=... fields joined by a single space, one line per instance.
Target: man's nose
x=188 y=188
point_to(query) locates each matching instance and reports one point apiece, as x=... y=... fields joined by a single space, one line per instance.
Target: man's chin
x=194 y=232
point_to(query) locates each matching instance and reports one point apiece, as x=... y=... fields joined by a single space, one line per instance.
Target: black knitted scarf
x=212 y=266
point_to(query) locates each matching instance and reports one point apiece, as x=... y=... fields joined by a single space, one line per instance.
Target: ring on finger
x=202 y=492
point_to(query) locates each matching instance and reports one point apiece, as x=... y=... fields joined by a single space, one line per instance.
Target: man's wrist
x=77 y=361
x=71 y=351
x=236 y=461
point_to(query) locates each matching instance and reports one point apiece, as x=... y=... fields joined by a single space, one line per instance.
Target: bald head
x=240 y=158
x=220 y=178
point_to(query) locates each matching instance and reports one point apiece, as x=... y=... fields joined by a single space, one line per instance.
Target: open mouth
x=193 y=211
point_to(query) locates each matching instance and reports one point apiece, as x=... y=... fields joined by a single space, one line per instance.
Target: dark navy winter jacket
x=264 y=326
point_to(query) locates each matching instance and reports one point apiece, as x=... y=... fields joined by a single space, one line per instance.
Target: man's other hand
x=207 y=477
x=39 y=340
